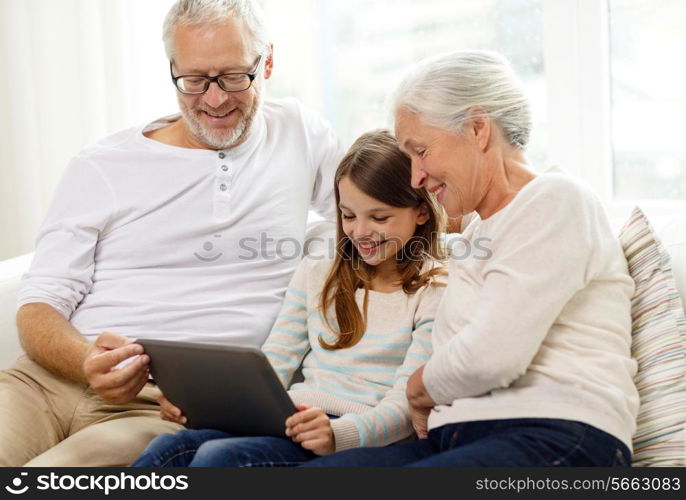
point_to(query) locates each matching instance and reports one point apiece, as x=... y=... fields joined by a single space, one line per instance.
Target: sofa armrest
x=10 y=277
x=671 y=229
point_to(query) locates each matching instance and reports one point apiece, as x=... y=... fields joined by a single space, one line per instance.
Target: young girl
x=360 y=325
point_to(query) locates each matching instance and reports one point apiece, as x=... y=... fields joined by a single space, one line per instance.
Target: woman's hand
x=420 y=421
x=420 y=403
x=169 y=412
x=311 y=428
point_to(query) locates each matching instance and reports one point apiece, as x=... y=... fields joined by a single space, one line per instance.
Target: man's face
x=218 y=119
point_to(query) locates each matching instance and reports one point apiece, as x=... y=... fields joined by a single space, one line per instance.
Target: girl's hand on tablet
x=311 y=428
x=169 y=412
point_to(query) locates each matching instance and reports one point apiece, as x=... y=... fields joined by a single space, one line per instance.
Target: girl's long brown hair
x=378 y=168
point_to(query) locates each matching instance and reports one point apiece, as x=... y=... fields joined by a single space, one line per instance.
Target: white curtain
x=72 y=72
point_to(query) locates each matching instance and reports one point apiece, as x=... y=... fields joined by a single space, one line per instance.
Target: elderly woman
x=531 y=363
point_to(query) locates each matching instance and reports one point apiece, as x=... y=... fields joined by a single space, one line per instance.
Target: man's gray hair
x=443 y=89
x=213 y=12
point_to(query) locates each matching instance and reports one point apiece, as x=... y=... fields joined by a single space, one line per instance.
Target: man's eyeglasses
x=228 y=82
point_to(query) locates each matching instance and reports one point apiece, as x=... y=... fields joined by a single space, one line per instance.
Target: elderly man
x=169 y=231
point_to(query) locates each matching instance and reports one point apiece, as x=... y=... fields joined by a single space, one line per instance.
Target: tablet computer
x=223 y=387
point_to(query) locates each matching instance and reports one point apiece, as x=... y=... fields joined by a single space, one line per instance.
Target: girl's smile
x=378 y=231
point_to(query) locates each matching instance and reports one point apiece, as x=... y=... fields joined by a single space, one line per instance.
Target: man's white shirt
x=148 y=240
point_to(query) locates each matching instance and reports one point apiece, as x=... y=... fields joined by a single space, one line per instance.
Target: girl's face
x=378 y=231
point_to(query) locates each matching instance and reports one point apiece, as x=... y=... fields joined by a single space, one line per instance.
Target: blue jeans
x=496 y=443
x=210 y=448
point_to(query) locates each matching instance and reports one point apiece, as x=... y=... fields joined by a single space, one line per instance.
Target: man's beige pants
x=48 y=421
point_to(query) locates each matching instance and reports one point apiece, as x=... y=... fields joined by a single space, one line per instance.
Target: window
x=603 y=76
x=344 y=57
x=648 y=98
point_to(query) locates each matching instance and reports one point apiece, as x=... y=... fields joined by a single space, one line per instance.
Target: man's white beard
x=222 y=141
x=237 y=135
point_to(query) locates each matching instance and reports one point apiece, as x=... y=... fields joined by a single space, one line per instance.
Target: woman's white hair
x=213 y=12
x=443 y=89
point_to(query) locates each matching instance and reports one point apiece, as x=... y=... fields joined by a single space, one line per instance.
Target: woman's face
x=447 y=164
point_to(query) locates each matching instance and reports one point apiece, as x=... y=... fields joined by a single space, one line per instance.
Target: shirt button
x=222 y=156
x=225 y=168
x=223 y=187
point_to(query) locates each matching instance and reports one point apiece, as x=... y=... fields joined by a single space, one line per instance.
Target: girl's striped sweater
x=364 y=384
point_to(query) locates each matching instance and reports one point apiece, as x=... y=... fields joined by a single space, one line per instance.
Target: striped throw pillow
x=659 y=346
